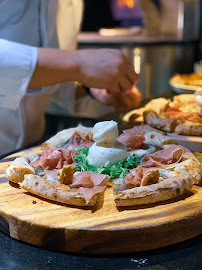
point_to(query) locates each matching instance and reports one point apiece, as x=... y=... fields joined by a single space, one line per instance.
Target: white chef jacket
x=37 y=23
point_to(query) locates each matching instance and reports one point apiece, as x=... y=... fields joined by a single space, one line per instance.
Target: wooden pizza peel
x=101 y=229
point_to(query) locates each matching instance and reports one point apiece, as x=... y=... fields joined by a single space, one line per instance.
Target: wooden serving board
x=101 y=229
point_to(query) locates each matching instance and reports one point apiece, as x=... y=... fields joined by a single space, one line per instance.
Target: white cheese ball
x=100 y=154
x=106 y=131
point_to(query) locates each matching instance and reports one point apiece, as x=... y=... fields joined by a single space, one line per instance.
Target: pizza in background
x=192 y=79
x=180 y=115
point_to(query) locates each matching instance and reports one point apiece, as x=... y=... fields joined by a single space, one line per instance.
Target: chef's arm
x=103 y=68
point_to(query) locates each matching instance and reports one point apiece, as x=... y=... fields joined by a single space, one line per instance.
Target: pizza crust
x=60 y=193
x=21 y=166
x=162 y=191
x=157 y=139
x=175 y=180
x=189 y=164
x=158 y=105
x=63 y=136
x=189 y=128
x=184 y=98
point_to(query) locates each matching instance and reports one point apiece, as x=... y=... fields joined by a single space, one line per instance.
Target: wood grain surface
x=101 y=229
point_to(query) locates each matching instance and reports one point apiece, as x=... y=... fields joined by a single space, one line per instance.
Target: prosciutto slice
x=56 y=158
x=90 y=183
x=160 y=158
x=184 y=116
x=79 y=140
x=167 y=156
x=82 y=180
x=51 y=175
x=132 y=138
x=134 y=178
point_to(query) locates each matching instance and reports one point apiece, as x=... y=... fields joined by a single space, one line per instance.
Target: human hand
x=106 y=69
x=122 y=101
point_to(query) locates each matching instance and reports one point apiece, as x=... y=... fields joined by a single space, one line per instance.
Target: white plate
x=181 y=88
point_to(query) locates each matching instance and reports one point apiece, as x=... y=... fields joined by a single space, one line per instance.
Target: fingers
x=121 y=84
x=127 y=79
x=129 y=72
x=125 y=83
x=129 y=99
x=122 y=101
x=137 y=96
x=102 y=96
x=132 y=76
x=115 y=88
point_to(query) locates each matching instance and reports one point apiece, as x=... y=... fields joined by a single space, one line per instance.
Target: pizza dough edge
x=167 y=189
x=21 y=166
x=59 y=193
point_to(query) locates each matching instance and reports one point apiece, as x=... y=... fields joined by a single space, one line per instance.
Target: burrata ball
x=106 y=131
x=100 y=154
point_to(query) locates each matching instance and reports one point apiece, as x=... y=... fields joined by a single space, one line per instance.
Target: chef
x=33 y=69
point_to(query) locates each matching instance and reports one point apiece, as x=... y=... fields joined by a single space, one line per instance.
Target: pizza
x=78 y=164
x=181 y=115
x=192 y=79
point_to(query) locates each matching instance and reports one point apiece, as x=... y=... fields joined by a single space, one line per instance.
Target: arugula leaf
x=116 y=170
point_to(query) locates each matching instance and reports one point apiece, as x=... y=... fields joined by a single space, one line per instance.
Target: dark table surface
x=21 y=256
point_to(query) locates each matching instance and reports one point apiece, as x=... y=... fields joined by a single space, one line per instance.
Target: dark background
x=97 y=14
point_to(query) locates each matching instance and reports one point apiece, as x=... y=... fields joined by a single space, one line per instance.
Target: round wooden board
x=101 y=229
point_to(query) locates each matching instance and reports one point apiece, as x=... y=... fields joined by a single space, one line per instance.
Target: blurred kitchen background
x=161 y=37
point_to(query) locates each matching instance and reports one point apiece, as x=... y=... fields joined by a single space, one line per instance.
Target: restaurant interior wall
x=156 y=61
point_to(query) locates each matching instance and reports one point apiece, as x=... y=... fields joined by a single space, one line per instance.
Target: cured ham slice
x=132 y=138
x=82 y=180
x=79 y=140
x=90 y=183
x=51 y=175
x=184 y=116
x=163 y=157
x=56 y=158
x=134 y=178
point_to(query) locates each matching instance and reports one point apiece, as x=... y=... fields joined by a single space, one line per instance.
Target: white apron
x=38 y=23
x=25 y=22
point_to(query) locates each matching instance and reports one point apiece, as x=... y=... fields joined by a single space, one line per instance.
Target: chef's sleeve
x=17 y=65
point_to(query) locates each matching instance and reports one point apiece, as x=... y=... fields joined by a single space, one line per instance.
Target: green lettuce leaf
x=116 y=170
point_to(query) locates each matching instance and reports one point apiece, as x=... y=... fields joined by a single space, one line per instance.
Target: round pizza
x=181 y=115
x=194 y=80
x=78 y=164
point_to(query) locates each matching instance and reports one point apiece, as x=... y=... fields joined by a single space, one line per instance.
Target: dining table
x=19 y=255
